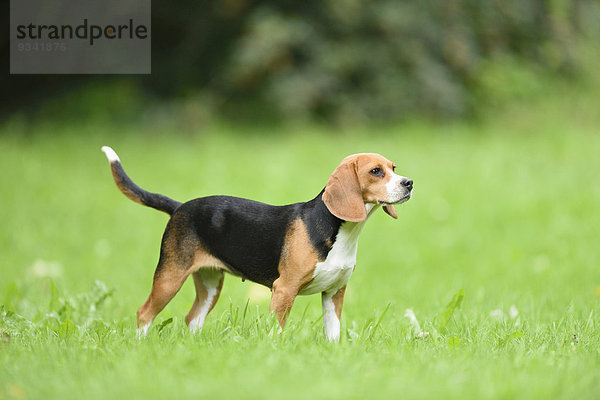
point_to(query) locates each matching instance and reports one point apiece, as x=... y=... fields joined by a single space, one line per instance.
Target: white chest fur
x=333 y=273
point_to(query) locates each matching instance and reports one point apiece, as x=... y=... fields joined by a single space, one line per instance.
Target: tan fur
x=373 y=188
x=338 y=301
x=203 y=259
x=296 y=268
x=343 y=195
x=351 y=186
x=165 y=286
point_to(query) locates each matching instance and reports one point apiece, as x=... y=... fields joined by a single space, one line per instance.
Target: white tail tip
x=110 y=154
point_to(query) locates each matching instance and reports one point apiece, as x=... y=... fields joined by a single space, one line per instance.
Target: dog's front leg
x=332 y=313
x=282 y=299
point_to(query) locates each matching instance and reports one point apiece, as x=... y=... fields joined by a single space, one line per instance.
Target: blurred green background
x=492 y=107
x=343 y=62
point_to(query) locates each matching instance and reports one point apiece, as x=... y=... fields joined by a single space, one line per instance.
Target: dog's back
x=246 y=235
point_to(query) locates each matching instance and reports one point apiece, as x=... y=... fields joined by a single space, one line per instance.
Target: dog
x=296 y=249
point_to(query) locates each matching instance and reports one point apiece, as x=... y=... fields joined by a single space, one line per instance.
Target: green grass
x=506 y=211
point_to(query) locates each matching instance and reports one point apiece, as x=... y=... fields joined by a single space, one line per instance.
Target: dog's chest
x=333 y=273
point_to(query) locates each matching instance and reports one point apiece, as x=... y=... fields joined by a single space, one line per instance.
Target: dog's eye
x=376 y=172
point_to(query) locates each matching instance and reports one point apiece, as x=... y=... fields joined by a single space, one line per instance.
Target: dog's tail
x=133 y=191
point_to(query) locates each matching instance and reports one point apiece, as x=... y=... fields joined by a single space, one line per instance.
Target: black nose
x=407 y=183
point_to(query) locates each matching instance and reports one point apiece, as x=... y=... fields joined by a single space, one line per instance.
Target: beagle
x=295 y=249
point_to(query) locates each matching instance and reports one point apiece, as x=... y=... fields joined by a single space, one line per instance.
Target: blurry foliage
x=344 y=61
x=64 y=317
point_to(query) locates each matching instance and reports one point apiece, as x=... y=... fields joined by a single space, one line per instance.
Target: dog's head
x=362 y=179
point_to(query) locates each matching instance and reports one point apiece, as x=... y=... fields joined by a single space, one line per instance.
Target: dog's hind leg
x=208 y=283
x=168 y=279
x=177 y=261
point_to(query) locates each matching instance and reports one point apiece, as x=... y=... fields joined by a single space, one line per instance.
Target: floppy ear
x=343 y=196
x=390 y=210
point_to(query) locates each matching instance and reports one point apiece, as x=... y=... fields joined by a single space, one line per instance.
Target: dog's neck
x=325 y=226
x=351 y=230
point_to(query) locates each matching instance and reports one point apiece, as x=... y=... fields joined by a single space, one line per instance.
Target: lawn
x=497 y=255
